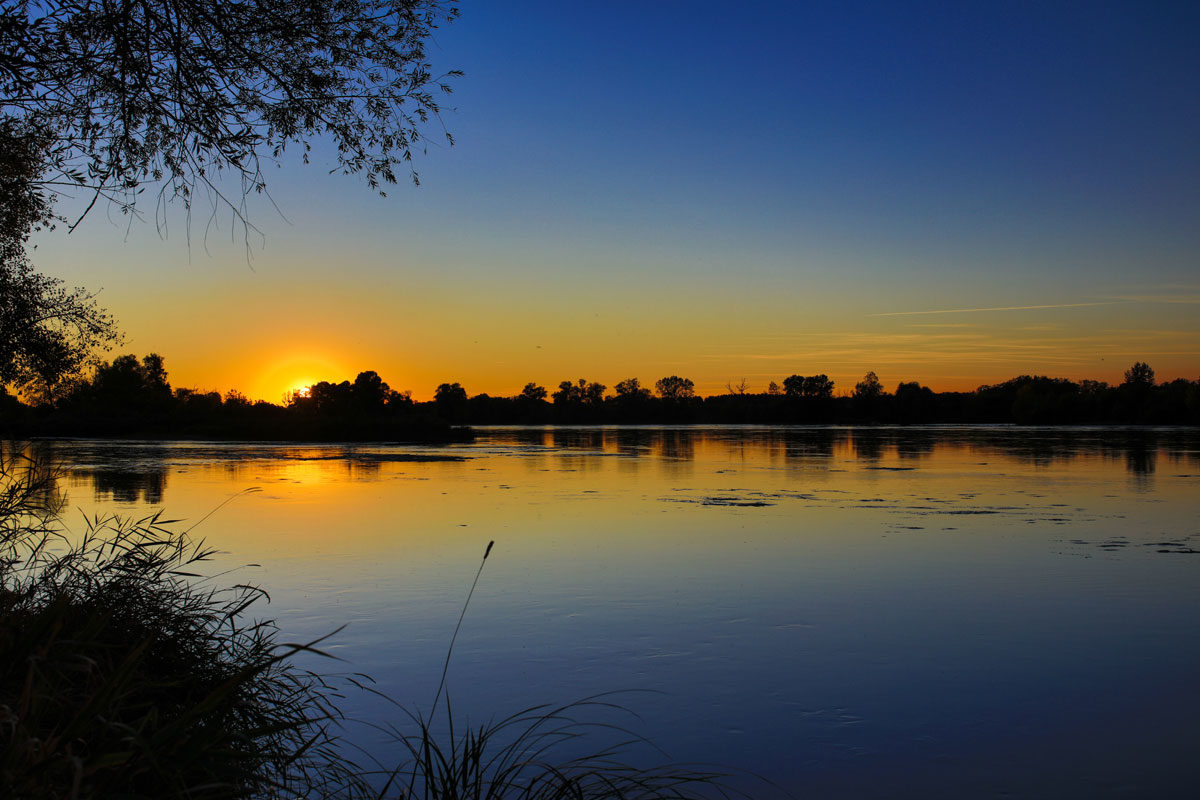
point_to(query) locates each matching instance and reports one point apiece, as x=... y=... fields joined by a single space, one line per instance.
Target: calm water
x=940 y=612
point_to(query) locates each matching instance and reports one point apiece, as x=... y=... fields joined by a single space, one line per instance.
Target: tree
x=448 y=394
x=868 y=388
x=370 y=392
x=814 y=386
x=140 y=91
x=675 y=388
x=47 y=331
x=1140 y=374
x=630 y=390
x=532 y=393
x=128 y=385
x=582 y=393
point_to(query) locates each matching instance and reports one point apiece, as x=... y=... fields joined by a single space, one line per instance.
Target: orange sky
x=940 y=198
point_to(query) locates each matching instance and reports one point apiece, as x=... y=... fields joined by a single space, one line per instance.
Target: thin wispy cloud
x=993 y=308
x=1175 y=299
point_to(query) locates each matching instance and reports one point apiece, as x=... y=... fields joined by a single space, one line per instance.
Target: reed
x=126 y=672
x=540 y=753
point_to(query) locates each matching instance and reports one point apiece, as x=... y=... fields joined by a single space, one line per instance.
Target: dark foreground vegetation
x=125 y=673
x=128 y=397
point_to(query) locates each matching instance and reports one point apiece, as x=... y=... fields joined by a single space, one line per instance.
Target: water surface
x=851 y=612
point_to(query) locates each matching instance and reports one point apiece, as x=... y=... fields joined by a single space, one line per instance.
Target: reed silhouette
x=125 y=672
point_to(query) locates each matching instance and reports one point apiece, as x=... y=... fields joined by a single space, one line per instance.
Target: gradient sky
x=955 y=193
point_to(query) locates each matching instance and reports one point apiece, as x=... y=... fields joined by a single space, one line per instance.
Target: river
x=849 y=612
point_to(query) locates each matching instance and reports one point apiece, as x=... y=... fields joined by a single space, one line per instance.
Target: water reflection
x=846 y=610
x=815 y=448
x=137 y=472
x=144 y=485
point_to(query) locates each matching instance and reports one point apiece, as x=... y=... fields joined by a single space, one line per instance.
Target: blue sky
x=720 y=191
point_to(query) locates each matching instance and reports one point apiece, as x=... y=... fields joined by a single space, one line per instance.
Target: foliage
x=868 y=388
x=588 y=393
x=1140 y=374
x=813 y=386
x=675 y=388
x=366 y=409
x=23 y=209
x=524 y=756
x=125 y=674
x=369 y=395
x=632 y=397
x=533 y=393
x=142 y=91
x=48 y=332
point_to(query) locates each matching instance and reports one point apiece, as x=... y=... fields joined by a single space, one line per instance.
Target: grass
x=126 y=671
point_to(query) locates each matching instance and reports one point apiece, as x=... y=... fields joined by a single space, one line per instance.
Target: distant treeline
x=132 y=398
x=810 y=399
x=128 y=397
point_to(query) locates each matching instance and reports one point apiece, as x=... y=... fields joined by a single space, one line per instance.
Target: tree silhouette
x=1140 y=374
x=144 y=91
x=815 y=386
x=868 y=388
x=581 y=393
x=675 y=388
x=370 y=392
x=630 y=390
x=47 y=331
x=532 y=393
x=127 y=384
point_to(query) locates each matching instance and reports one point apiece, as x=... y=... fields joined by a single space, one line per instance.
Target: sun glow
x=297 y=373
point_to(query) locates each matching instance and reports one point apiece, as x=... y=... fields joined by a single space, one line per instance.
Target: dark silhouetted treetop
x=142 y=91
x=47 y=332
x=631 y=389
x=450 y=393
x=127 y=384
x=869 y=387
x=674 y=387
x=813 y=386
x=581 y=393
x=1139 y=374
x=368 y=396
x=532 y=393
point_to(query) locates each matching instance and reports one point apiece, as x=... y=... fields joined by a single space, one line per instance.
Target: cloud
x=994 y=308
x=1184 y=299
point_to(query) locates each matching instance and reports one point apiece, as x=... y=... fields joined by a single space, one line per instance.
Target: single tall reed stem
x=450 y=649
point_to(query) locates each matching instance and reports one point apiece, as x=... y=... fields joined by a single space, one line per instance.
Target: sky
x=954 y=193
